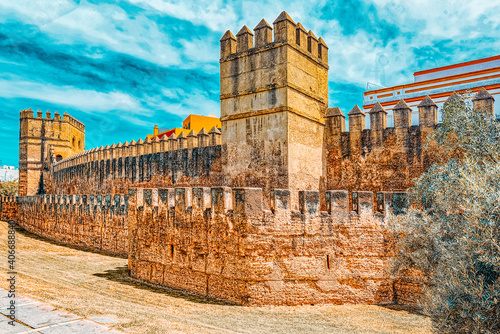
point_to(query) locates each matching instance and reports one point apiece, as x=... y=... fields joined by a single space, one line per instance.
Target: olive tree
x=9 y=188
x=451 y=230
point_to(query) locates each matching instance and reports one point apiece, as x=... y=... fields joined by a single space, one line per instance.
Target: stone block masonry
x=9 y=208
x=43 y=141
x=95 y=222
x=115 y=175
x=220 y=243
x=384 y=158
x=274 y=95
x=182 y=225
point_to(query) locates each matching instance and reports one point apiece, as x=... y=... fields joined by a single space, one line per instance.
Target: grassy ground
x=90 y=284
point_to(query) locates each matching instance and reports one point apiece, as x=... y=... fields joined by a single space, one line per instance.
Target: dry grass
x=90 y=284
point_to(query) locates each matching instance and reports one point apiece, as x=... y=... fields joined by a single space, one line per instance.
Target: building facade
x=439 y=83
x=8 y=173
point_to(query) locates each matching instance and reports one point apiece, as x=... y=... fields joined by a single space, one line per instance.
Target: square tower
x=42 y=139
x=274 y=96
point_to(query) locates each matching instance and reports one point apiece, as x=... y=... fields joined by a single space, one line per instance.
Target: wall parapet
x=357 y=139
x=9 y=208
x=95 y=222
x=141 y=147
x=28 y=113
x=286 y=31
x=220 y=242
x=382 y=157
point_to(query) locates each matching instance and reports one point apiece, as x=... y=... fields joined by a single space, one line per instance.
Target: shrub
x=451 y=231
x=9 y=188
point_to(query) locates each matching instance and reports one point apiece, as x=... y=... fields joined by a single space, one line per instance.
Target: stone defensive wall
x=182 y=160
x=382 y=157
x=41 y=138
x=222 y=243
x=93 y=222
x=219 y=242
x=206 y=212
x=8 y=208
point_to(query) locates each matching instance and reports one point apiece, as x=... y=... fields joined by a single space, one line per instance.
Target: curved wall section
x=95 y=222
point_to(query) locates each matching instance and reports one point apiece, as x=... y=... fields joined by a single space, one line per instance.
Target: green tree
x=451 y=230
x=9 y=188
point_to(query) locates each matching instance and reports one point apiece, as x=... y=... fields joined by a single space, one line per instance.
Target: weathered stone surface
x=9 y=208
x=115 y=175
x=241 y=254
x=43 y=140
x=273 y=100
x=89 y=221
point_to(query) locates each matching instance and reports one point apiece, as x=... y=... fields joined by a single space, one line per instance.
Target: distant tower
x=274 y=96
x=42 y=139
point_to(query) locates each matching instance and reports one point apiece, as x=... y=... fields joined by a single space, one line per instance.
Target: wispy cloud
x=68 y=96
x=212 y=14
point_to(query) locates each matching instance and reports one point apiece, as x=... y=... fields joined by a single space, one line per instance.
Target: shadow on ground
x=26 y=233
x=122 y=275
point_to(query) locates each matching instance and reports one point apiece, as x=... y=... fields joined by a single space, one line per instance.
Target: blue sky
x=123 y=66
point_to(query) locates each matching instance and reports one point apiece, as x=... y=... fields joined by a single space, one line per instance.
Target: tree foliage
x=9 y=188
x=451 y=231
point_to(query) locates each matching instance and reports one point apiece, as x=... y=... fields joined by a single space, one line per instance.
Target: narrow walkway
x=36 y=317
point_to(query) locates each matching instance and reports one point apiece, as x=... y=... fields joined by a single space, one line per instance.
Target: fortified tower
x=274 y=96
x=42 y=140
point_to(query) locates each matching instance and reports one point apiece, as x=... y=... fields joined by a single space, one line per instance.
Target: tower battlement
x=28 y=114
x=286 y=31
x=358 y=139
x=42 y=140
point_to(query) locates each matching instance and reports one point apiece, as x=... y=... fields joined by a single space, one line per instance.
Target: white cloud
x=354 y=59
x=37 y=12
x=213 y=14
x=85 y=100
x=110 y=26
x=194 y=101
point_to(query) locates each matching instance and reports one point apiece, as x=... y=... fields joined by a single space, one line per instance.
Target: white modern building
x=439 y=83
x=8 y=173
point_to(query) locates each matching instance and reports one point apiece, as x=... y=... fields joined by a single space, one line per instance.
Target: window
x=74 y=142
x=59 y=157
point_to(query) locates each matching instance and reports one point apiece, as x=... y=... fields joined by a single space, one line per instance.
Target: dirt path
x=94 y=285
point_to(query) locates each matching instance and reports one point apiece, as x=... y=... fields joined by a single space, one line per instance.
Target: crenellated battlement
x=286 y=31
x=243 y=214
x=8 y=199
x=221 y=242
x=359 y=140
x=74 y=202
x=142 y=147
x=42 y=141
x=341 y=206
x=73 y=121
x=28 y=114
x=274 y=94
x=97 y=222
x=9 y=208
